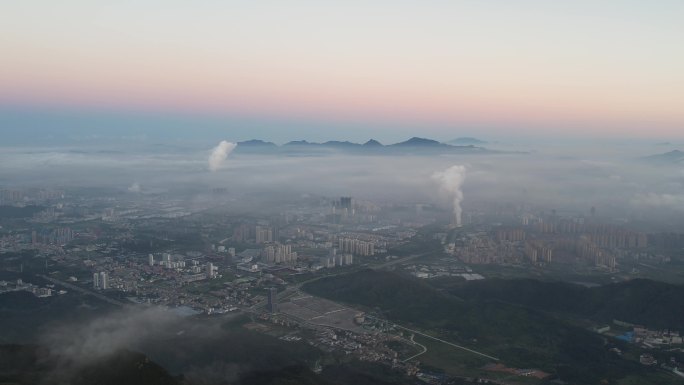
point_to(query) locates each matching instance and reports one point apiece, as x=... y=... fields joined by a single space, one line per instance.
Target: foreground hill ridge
x=37 y=365
x=524 y=322
x=649 y=303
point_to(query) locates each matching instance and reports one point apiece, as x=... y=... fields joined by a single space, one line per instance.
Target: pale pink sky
x=585 y=67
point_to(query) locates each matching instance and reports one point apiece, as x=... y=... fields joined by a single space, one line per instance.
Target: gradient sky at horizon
x=489 y=67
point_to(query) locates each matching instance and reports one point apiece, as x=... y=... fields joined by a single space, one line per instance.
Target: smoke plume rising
x=219 y=154
x=450 y=181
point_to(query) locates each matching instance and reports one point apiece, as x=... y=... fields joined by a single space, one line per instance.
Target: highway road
x=439 y=340
x=416 y=355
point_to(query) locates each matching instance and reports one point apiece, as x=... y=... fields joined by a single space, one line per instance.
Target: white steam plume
x=450 y=181
x=135 y=187
x=219 y=154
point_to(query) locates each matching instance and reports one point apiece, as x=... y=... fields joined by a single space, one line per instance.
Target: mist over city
x=627 y=181
x=338 y=193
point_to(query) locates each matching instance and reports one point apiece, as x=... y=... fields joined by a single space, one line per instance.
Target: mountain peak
x=298 y=143
x=467 y=140
x=256 y=142
x=338 y=143
x=672 y=157
x=420 y=142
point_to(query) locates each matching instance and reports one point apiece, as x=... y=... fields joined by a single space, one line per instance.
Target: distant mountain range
x=672 y=157
x=414 y=145
x=467 y=141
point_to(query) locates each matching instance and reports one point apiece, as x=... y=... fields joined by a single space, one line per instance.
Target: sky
x=300 y=69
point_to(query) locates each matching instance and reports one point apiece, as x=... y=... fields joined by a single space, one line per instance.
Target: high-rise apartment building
x=272 y=305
